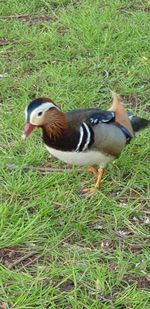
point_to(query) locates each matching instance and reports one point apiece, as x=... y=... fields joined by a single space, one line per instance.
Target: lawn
x=57 y=248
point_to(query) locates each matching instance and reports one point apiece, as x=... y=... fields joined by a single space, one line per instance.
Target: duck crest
x=121 y=116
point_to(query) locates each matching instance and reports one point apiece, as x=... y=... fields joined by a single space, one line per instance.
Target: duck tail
x=138 y=123
x=131 y=122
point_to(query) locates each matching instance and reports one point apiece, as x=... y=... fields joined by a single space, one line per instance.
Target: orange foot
x=88 y=191
x=91 y=191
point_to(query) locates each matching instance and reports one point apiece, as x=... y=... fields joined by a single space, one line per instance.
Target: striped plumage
x=87 y=136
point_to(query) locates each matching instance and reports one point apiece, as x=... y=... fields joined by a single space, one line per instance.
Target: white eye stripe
x=42 y=108
x=51 y=105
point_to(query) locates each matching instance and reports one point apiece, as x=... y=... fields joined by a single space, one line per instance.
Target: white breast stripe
x=88 y=136
x=80 y=139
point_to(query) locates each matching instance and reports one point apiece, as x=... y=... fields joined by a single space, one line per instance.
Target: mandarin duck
x=83 y=136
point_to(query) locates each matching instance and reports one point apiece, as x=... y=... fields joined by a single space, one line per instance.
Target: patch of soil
x=38 y=19
x=30 y=18
x=44 y=169
x=134 y=7
x=62 y=284
x=141 y=282
x=66 y=286
x=131 y=101
x=75 y=3
x=136 y=248
x=130 y=195
x=17 y=257
x=4 y=42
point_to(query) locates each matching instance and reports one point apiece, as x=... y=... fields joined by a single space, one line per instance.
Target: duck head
x=39 y=113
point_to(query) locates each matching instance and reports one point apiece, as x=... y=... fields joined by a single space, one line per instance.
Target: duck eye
x=40 y=114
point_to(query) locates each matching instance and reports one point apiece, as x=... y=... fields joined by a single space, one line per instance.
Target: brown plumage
x=54 y=123
x=121 y=115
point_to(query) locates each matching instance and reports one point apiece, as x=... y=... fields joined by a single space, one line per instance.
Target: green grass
x=87 y=253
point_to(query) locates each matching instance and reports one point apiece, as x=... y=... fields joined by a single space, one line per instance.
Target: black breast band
x=126 y=132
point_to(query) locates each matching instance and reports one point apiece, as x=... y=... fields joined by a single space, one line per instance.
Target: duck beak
x=28 y=128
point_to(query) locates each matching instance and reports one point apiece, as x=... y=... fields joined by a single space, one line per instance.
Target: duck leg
x=93 y=170
x=99 y=178
x=90 y=191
